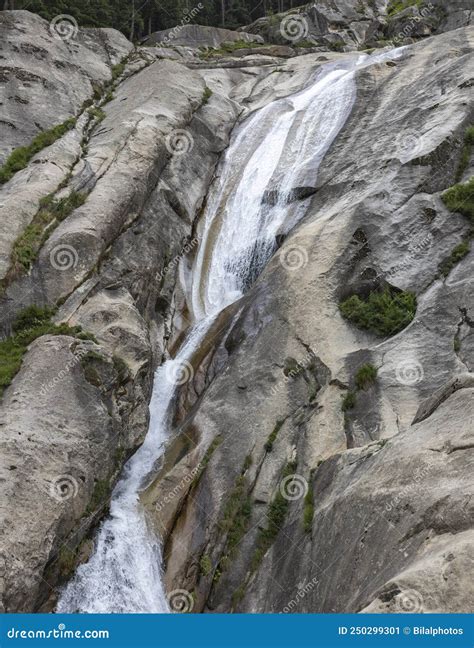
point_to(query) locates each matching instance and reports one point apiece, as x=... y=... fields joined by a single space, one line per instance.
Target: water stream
x=274 y=152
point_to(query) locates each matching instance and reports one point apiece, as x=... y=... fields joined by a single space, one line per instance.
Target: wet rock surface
x=381 y=518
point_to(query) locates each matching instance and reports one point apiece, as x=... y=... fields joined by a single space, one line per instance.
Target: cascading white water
x=274 y=151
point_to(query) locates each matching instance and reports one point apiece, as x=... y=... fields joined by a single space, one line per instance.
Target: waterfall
x=274 y=152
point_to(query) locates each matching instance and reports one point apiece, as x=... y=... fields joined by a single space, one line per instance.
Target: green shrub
x=31 y=323
x=465 y=153
x=20 y=157
x=273 y=435
x=206 y=95
x=349 y=401
x=205 y=565
x=50 y=214
x=384 y=312
x=365 y=376
x=395 y=6
x=276 y=515
x=457 y=255
x=460 y=198
x=118 y=70
x=308 y=511
x=97 y=113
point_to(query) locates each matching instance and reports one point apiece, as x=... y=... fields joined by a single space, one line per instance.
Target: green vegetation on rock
x=460 y=198
x=384 y=312
x=206 y=95
x=365 y=376
x=205 y=565
x=349 y=401
x=457 y=255
x=395 y=6
x=466 y=153
x=276 y=515
x=31 y=323
x=50 y=214
x=308 y=510
x=20 y=157
x=273 y=435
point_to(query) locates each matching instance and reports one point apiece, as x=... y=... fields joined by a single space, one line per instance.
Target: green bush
x=349 y=401
x=460 y=198
x=395 y=6
x=20 y=157
x=308 y=511
x=205 y=565
x=457 y=255
x=99 y=495
x=28 y=244
x=365 y=376
x=384 y=313
x=465 y=153
x=31 y=323
x=206 y=95
x=273 y=435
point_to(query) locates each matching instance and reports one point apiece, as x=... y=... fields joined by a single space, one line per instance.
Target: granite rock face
x=379 y=517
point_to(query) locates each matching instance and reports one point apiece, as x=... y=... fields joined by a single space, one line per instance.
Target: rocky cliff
x=314 y=465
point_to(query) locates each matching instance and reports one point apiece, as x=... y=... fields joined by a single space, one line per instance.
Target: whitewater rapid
x=275 y=151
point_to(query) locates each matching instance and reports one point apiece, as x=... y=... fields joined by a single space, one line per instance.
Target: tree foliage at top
x=138 y=18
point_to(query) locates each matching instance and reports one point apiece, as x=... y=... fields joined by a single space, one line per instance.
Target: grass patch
x=365 y=376
x=51 y=213
x=205 y=565
x=118 y=70
x=457 y=255
x=460 y=198
x=273 y=435
x=97 y=113
x=349 y=401
x=206 y=95
x=31 y=323
x=395 y=6
x=308 y=510
x=384 y=312
x=20 y=157
x=338 y=46
x=276 y=515
x=466 y=153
